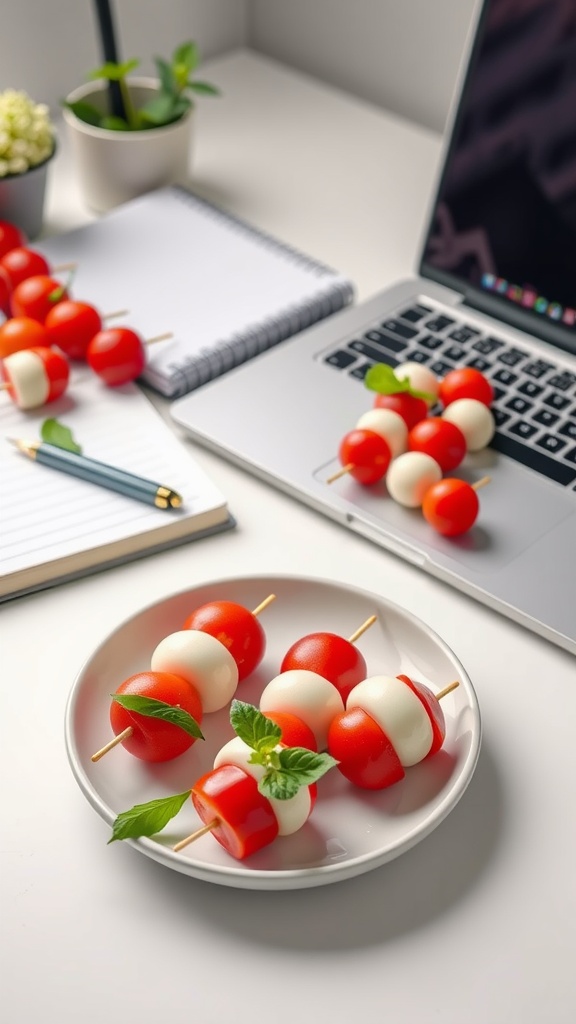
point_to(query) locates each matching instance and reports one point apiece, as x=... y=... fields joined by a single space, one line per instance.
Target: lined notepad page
x=47 y=516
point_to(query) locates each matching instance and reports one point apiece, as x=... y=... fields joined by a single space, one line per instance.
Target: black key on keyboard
x=454 y=352
x=440 y=368
x=563 y=381
x=378 y=354
x=528 y=388
x=517 y=404
x=551 y=443
x=486 y=345
x=545 y=417
x=557 y=401
x=523 y=429
x=534 y=459
x=537 y=368
x=417 y=356
x=505 y=377
x=340 y=359
x=568 y=429
x=512 y=356
x=392 y=344
x=463 y=333
x=500 y=417
x=415 y=313
x=360 y=371
x=430 y=341
x=439 y=323
x=398 y=328
x=478 y=363
x=571 y=455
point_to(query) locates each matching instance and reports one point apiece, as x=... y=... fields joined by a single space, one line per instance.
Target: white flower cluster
x=26 y=133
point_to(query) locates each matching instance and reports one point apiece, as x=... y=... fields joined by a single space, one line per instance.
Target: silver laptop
x=496 y=289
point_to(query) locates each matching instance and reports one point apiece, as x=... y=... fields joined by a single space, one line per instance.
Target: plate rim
x=287 y=878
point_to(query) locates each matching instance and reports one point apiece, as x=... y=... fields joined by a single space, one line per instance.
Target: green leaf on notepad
x=59 y=435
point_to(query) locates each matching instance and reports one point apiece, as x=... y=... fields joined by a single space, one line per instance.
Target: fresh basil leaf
x=152 y=708
x=278 y=784
x=53 y=432
x=147 y=819
x=306 y=764
x=381 y=378
x=253 y=727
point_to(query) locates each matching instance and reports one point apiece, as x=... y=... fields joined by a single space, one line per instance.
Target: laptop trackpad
x=517 y=508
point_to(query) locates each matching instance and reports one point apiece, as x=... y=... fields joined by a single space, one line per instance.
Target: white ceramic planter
x=114 y=167
x=22 y=198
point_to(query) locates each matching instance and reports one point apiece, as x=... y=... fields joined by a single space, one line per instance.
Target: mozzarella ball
x=203 y=661
x=389 y=425
x=399 y=713
x=30 y=383
x=420 y=377
x=308 y=696
x=474 y=419
x=410 y=476
x=290 y=814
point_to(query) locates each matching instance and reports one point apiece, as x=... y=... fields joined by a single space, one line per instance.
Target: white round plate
x=351 y=830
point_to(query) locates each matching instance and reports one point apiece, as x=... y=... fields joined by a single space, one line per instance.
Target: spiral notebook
x=177 y=264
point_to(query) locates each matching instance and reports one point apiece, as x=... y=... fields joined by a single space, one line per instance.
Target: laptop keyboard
x=535 y=400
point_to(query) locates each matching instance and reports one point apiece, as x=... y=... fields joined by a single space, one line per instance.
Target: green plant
x=26 y=133
x=169 y=104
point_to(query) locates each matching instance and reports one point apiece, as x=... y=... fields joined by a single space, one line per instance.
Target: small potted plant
x=27 y=144
x=130 y=134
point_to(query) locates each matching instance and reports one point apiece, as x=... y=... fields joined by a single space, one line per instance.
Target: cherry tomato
x=331 y=656
x=10 y=237
x=153 y=739
x=235 y=627
x=410 y=408
x=364 y=753
x=465 y=383
x=451 y=506
x=446 y=446
x=20 y=263
x=295 y=732
x=20 y=332
x=244 y=819
x=36 y=296
x=435 y=713
x=4 y=295
x=117 y=355
x=367 y=454
x=71 y=325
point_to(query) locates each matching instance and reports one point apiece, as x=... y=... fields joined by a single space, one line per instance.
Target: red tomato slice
x=117 y=355
x=365 y=754
x=152 y=739
x=467 y=382
x=10 y=237
x=57 y=371
x=245 y=820
x=367 y=453
x=235 y=627
x=451 y=506
x=36 y=296
x=329 y=655
x=435 y=436
x=19 y=332
x=435 y=713
x=20 y=263
x=410 y=408
x=295 y=732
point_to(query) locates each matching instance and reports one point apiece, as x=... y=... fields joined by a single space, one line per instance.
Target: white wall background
x=399 y=54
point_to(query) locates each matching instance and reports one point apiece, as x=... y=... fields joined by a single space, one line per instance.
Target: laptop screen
x=503 y=227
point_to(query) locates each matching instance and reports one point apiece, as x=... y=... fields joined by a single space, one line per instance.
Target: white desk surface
x=476 y=923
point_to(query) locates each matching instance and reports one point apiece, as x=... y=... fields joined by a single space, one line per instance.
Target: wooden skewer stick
x=61 y=267
x=480 y=483
x=117 y=312
x=340 y=472
x=362 y=629
x=113 y=743
x=196 y=835
x=447 y=689
x=264 y=604
x=158 y=337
